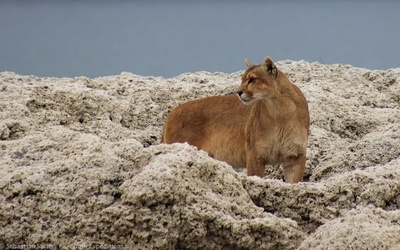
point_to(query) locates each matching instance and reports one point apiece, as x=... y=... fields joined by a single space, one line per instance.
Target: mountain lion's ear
x=248 y=63
x=270 y=66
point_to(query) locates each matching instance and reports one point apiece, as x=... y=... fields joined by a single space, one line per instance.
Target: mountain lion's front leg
x=293 y=168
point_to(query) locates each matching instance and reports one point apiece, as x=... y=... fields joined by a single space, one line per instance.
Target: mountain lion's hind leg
x=255 y=166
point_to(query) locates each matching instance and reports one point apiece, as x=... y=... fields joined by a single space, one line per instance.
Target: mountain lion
x=267 y=124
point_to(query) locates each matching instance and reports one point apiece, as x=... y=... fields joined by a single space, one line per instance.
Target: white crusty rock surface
x=81 y=164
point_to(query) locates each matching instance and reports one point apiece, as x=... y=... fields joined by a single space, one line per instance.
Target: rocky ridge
x=81 y=164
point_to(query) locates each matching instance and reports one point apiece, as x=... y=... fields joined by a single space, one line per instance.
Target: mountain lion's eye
x=251 y=80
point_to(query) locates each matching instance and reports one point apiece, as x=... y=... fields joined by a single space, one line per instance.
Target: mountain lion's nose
x=239 y=93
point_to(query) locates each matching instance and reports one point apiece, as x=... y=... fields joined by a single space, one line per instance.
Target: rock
x=361 y=228
x=184 y=199
x=81 y=165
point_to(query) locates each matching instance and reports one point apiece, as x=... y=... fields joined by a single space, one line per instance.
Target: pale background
x=166 y=38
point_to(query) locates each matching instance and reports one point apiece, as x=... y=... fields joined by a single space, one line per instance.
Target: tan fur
x=271 y=128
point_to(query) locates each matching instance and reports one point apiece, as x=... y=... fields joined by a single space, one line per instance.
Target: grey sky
x=167 y=38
